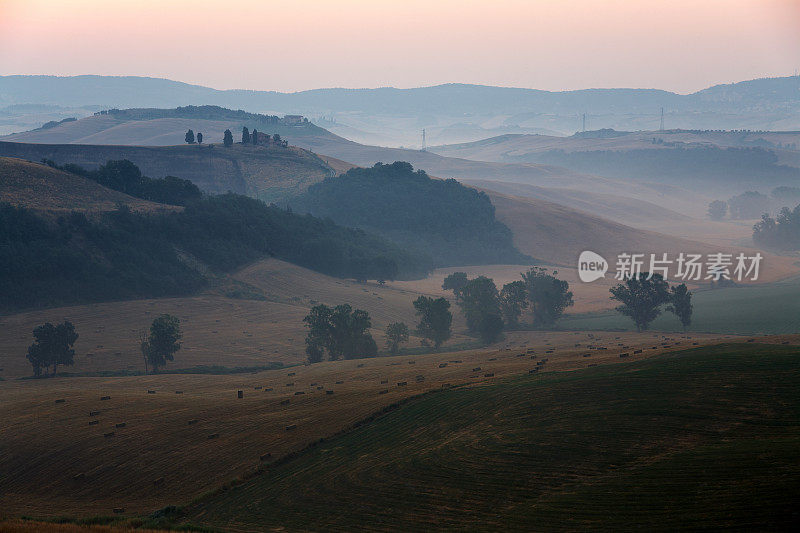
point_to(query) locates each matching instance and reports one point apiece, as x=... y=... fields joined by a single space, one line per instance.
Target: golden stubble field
x=166 y=439
x=218 y=329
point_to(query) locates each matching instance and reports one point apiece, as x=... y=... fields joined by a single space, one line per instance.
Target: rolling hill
x=562 y=233
x=669 y=443
x=42 y=188
x=516 y=148
x=725 y=163
x=616 y=207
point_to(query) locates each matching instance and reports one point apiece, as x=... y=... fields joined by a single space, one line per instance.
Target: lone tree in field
x=342 y=331
x=396 y=334
x=227 y=138
x=480 y=303
x=641 y=297
x=190 y=137
x=717 y=209
x=199 y=138
x=435 y=319
x=513 y=301
x=245 y=135
x=455 y=282
x=52 y=347
x=548 y=296
x=680 y=299
x=163 y=342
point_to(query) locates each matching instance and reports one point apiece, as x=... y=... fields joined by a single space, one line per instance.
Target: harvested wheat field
x=86 y=446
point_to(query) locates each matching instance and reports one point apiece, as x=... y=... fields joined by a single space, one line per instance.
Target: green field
x=772 y=308
x=706 y=438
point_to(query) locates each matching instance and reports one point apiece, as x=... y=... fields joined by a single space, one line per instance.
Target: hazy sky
x=288 y=45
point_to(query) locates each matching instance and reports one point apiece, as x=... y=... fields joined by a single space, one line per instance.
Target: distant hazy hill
x=703 y=161
x=451 y=113
x=134 y=127
x=269 y=173
x=131 y=128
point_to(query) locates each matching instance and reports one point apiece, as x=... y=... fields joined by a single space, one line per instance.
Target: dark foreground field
x=706 y=438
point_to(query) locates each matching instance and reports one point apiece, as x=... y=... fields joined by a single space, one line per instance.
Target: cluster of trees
x=750 y=204
x=452 y=224
x=254 y=138
x=123 y=254
x=488 y=311
x=190 y=137
x=342 y=332
x=124 y=176
x=202 y=112
x=781 y=232
x=753 y=204
x=642 y=297
x=479 y=301
x=52 y=347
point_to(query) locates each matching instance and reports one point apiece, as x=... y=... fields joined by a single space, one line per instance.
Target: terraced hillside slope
x=705 y=438
x=270 y=173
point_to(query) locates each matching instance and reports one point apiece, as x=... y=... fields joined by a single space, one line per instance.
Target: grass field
x=748 y=310
x=706 y=438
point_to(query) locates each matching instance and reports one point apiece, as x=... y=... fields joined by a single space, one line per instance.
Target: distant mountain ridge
x=135 y=91
x=450 y=113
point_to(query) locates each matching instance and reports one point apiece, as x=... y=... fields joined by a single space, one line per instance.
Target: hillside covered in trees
x=453 y=224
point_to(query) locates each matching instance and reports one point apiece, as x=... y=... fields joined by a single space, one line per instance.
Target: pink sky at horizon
x=677 y=45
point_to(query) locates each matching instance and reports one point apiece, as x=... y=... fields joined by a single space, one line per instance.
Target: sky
x=290 y=45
